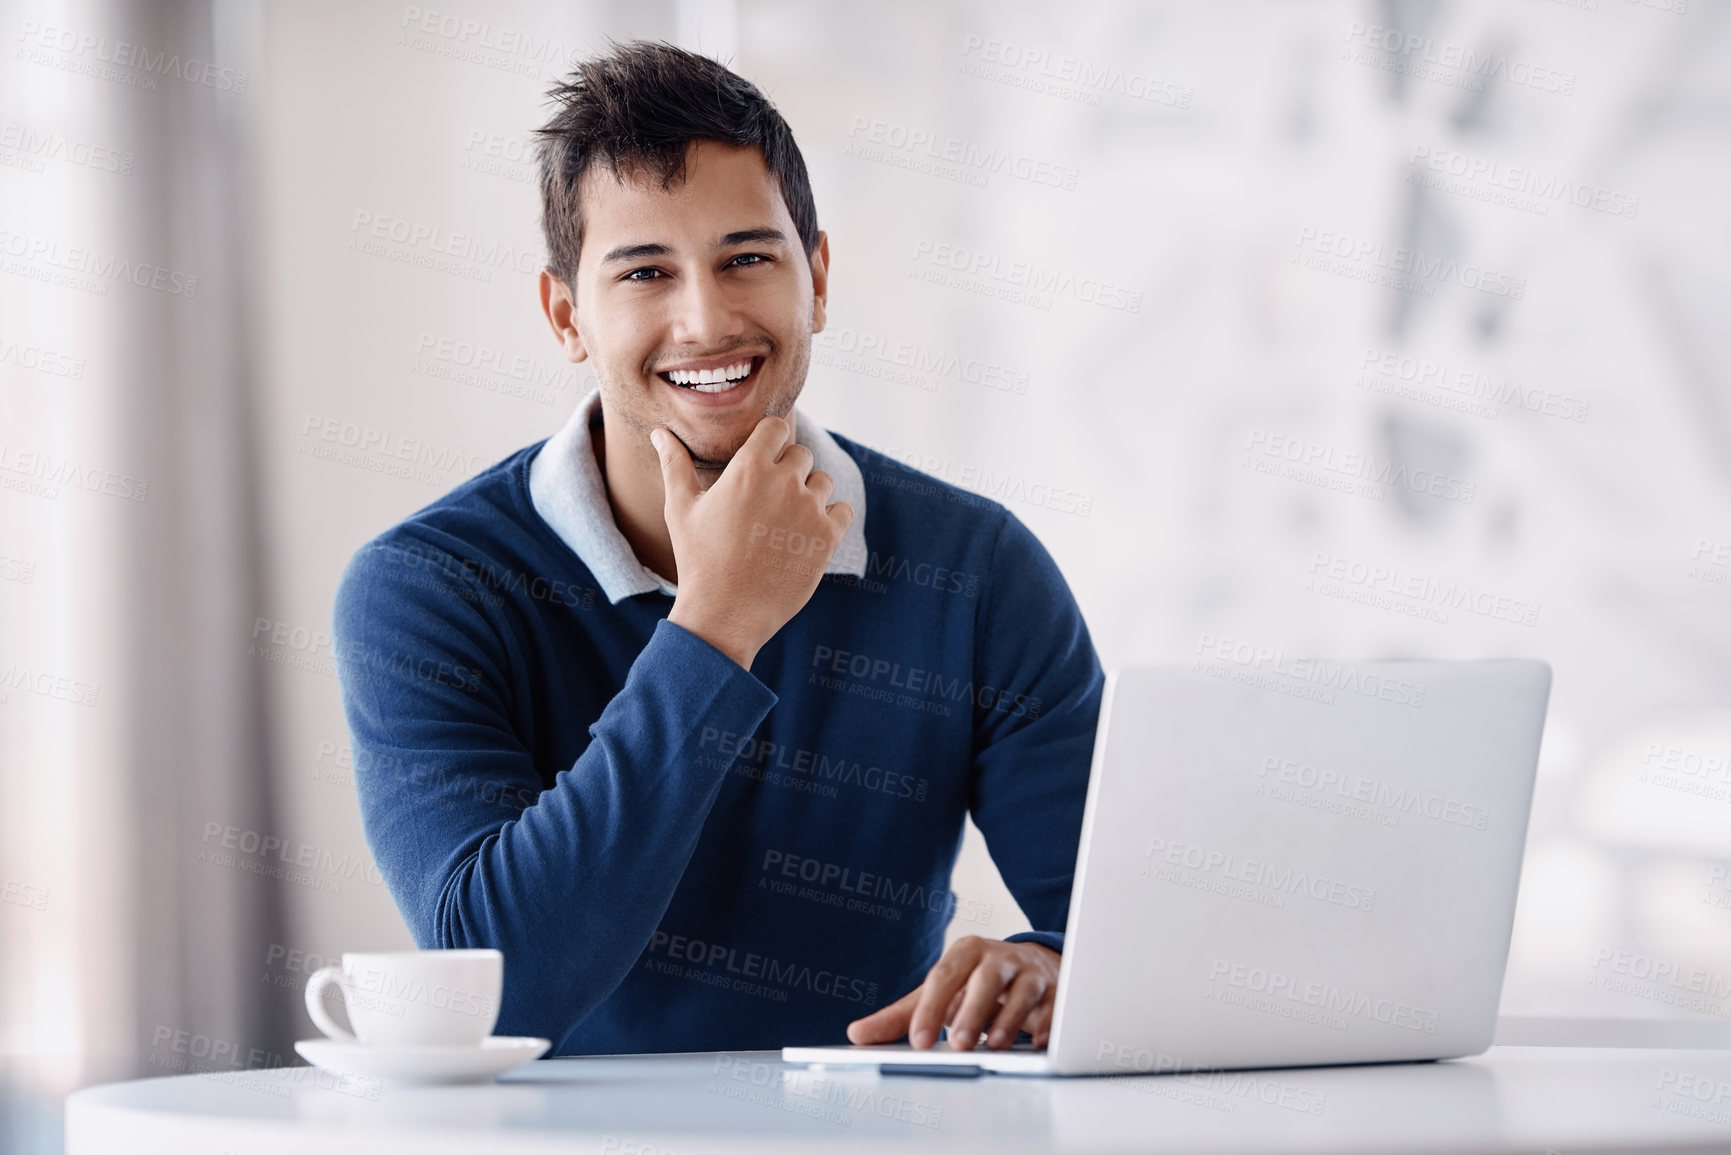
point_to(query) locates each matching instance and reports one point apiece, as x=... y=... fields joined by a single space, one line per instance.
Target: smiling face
x=696 y=303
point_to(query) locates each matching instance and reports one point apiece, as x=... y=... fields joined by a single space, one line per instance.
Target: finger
x=942 y=982
x=841 y=513
x=800 y=458
x=886 y=1024
x=771 y=436
x=1025 y=993
x=988 y=981
x=678 y=476
x=820 y=483
x=1039 y=1024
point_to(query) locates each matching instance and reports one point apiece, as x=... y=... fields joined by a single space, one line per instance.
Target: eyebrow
x=761 y=235
x=636 y=252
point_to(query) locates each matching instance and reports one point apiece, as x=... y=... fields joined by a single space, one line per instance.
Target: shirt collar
x=568 y=491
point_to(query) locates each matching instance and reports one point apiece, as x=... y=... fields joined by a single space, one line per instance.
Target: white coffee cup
x=412 y=997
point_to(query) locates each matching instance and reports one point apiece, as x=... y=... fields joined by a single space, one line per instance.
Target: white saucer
x=424 y=1065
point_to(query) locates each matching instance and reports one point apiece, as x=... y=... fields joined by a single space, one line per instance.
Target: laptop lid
x=1313 y=864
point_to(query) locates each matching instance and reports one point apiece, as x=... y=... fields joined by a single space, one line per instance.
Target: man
x=683 y=708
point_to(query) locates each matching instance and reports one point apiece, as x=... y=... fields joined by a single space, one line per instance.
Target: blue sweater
x=676 y=854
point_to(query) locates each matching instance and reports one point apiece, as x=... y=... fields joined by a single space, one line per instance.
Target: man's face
x=696 y=302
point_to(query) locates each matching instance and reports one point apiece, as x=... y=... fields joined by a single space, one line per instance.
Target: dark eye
x=746 y=260
x=642 y=275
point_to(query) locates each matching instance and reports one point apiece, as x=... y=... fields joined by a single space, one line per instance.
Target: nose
x=704 y=314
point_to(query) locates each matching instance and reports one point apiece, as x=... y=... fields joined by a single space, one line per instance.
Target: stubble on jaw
x=709 y=469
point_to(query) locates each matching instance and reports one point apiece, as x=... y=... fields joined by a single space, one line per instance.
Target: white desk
x=1527 y=1099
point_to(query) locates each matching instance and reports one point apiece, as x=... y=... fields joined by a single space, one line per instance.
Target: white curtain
x=132 y=717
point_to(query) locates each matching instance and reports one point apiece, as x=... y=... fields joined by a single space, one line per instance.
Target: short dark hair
x=639 y=108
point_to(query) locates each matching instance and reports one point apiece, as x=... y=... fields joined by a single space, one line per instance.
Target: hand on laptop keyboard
x=979 y=986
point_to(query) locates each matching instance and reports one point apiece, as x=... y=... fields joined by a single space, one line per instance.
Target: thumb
x=678 y=475
x=886 y=1024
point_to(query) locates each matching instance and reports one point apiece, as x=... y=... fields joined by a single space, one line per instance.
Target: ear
x=560 y=306
x=820 y=283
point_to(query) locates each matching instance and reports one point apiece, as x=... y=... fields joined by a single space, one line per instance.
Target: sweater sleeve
x=1038 y=689
x=568 y=882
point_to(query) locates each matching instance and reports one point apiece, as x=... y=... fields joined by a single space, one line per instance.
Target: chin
x=718 y=442
x=710 y=452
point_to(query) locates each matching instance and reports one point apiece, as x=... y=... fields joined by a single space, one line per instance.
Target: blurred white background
x=1483 y=240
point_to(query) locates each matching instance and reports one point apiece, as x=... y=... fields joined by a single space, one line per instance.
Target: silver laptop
x=1307 y=863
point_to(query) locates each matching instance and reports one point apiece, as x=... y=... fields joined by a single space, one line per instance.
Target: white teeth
x=710 y=380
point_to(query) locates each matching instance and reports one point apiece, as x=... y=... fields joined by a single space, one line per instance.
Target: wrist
x=715 y=632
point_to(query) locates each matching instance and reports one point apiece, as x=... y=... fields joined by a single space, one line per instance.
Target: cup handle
x=316 y=985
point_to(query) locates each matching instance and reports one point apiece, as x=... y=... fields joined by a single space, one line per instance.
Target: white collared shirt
x=568 y=491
